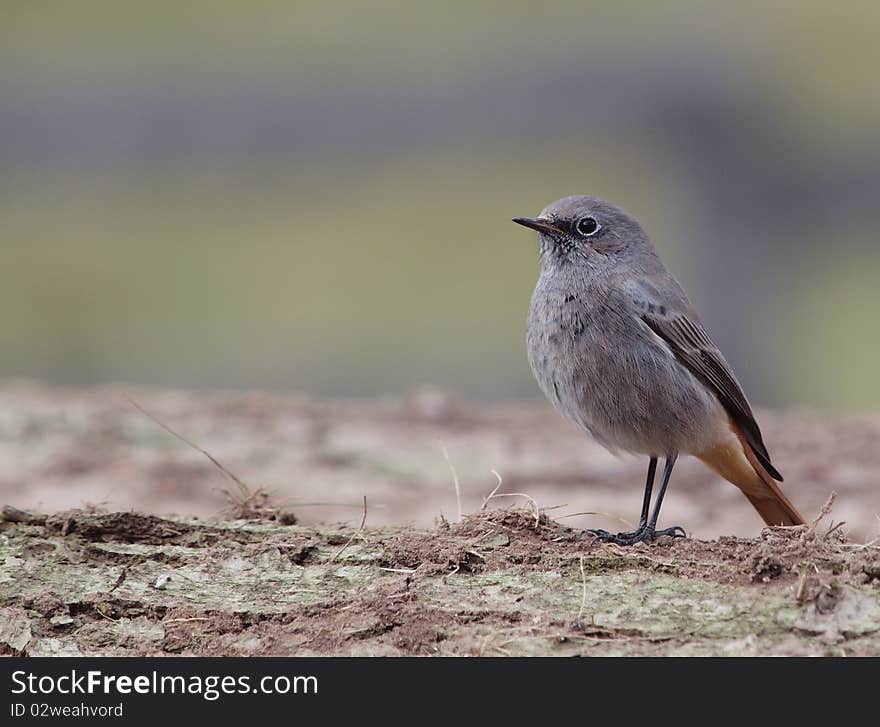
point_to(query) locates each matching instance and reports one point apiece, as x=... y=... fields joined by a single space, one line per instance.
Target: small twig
x=835 y=527
x=356 y=533
x=245 y=490
x=481 y=536
x=109 y=618
x=454 y=478
x=860 y=546
x=823 y=513
x=183 y=620
x=119 y=580
x=399 y=570
x=619 y=519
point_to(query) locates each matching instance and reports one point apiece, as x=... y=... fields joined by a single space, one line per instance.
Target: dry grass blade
x=355 y=535
x=495 y=494
x=454 y=479
x=245 y=489
x=491 y=494
x=247 y=503
x=619 y=519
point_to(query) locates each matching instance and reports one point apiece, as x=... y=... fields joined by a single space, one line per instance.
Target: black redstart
x=616 y=346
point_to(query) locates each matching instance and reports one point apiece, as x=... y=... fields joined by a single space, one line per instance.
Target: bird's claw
x=645 y=534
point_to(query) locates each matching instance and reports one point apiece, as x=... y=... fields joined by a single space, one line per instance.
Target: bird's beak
x=539 y=224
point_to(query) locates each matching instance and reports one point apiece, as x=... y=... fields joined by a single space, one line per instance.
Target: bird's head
x=583 y=230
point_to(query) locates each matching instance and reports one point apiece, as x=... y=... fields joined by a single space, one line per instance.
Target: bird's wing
x=692 y=346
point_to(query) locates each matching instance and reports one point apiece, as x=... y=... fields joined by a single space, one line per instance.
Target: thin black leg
x=675 y=531
x=646 y=530
x=649 y=486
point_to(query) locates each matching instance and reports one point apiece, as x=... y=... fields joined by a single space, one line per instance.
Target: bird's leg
x=646 y=530
x=676 y=531
x=649 y=487
x=643 y=520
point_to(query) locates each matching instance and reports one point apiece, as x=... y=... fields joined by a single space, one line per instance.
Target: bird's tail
x=735 y=462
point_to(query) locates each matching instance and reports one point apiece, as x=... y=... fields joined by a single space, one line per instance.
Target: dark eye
x=587 y=226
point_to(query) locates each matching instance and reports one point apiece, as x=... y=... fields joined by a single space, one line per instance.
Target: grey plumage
x=616 y=346
x=592 y=353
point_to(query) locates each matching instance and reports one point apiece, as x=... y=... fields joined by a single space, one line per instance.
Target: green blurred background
x=316 y=197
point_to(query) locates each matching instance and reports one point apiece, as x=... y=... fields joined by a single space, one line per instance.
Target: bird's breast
x=604 y=370
x=560 y=340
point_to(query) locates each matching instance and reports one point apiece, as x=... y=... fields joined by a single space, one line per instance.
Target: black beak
x=539 y=224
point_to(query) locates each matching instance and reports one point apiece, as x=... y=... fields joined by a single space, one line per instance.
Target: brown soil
x=501 y=581
x=259 y=572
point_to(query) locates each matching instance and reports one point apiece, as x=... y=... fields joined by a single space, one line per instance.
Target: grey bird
x=616 y=346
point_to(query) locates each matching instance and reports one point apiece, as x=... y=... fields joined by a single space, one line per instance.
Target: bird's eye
x=587 y=226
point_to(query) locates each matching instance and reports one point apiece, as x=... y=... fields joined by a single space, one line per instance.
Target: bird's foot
x=644 y=534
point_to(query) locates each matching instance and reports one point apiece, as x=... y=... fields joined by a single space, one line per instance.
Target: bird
x=616 y=346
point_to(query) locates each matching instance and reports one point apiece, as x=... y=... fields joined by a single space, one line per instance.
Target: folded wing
x=692 y=346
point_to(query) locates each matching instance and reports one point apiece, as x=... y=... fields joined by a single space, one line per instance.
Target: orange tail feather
x=736 y=463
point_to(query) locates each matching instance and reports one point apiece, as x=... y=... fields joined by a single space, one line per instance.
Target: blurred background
x=315 y=197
